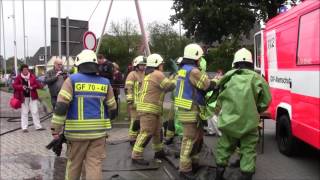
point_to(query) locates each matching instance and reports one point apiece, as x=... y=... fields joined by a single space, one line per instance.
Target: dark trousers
x=53 y=102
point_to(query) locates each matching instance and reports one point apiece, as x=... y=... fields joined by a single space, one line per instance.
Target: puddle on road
x=48 y=167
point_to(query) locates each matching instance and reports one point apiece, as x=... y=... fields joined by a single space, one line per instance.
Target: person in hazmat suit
x=192 y=85
x=132 y=86
x=243 y=95
x=82 y=108
x=154 y=87
x=172 y=126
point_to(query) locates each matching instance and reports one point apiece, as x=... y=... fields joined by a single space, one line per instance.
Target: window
x=41 y=58
x=257 y=50
x=309 y=39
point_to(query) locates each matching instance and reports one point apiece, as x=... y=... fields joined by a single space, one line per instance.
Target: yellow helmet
x=154 y=60
x=179 y=60
x=193 y=51
x=242 y=55
x=86 y=56
x=139 y=60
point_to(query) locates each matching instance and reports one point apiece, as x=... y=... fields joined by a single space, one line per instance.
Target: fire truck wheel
x=287 y=143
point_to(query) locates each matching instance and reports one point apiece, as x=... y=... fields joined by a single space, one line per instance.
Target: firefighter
x=243 y=95
x=82 y=108
x=192 y=85
x=132 y=87
x=172 y=127
x=154 y=87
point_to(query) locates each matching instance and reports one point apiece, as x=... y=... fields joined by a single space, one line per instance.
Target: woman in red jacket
x=25 y=89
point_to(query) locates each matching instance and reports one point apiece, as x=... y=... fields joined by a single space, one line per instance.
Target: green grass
x=123 y=114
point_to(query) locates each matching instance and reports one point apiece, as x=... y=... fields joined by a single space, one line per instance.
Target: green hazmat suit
x=178 y=126
x=203 y=64
x=243 y=95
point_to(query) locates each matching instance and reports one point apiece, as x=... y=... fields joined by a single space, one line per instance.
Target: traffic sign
x=89 y=40
x=76 y=30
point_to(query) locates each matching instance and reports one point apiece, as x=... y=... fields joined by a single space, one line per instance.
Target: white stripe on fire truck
x=305 y=83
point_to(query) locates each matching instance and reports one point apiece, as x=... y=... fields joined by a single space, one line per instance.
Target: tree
x=165 y=41
x=10 y=64
x=122 y=44
x=265 y=10
x=215 y=20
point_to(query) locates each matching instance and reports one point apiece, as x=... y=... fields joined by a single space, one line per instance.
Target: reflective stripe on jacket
x=153 y=89
x=190 y=93
x=185 y=94
x=132 y=86
x=88 y=115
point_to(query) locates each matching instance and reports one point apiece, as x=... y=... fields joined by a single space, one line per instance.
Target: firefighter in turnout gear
x=171 y=126
x=132 y=87
x=243 y=95
x=192 y=85
x=83 y=107
x=154 y=87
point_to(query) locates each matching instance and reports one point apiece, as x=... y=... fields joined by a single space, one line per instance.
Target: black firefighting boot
x=220 y=172
x=168 y=141
x=187 y=176
x=195 y=167
x=160 y=155
x=246 y=176
x=140 y=162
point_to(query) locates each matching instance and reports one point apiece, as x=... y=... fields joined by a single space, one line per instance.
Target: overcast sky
x=152 y=10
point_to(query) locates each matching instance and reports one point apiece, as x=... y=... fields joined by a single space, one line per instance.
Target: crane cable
x=94 y=10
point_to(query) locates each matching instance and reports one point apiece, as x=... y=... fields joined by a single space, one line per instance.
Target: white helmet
x=193 y=51
x=154 y=60
x=179 y=60
x=138 y=60
x=242 y=55
x=115 y=66
x=86 y=56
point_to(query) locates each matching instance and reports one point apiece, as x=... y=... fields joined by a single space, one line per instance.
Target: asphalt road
x=272 y=165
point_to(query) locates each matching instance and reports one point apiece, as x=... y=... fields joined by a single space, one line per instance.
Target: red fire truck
x=287 y=53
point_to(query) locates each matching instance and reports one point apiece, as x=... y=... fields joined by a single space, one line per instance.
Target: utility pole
x=27 y=47
x=145 y=40
x=67 y=42
x=4 y=41
x=59 y=28
x=104 y=26
x=24 y=34
x=14 y=37
x=45 y=33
